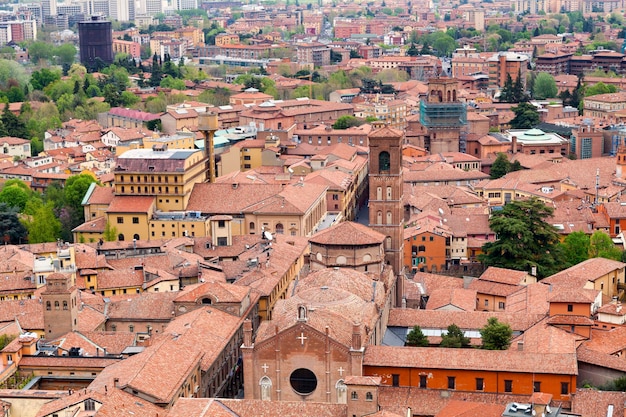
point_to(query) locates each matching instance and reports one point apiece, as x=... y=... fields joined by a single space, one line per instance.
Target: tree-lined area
x=29 y=217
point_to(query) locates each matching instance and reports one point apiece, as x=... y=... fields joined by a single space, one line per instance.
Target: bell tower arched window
x=384 y=161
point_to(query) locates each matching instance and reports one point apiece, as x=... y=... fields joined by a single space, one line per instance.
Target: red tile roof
x=348 y=233
x=133 y=114
x=131 y=204
x=470 y=359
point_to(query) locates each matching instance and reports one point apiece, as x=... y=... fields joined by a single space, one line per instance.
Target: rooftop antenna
x=597 y=183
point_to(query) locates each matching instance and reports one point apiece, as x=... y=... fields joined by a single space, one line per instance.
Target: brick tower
x=620 y=169
x=443 y=115
x=385 y=197
x=60 y=305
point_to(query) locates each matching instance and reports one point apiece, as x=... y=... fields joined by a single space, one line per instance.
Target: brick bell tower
x=385 y=197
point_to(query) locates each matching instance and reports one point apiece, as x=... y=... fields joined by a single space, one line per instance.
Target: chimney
x=247 y=333
x=520 y=346
x=514 y=145
x=356 y=337
x=116 y=382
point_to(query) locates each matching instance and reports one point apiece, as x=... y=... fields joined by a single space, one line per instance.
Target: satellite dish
x=440 y=211
x=290 y=170
x=548 y=410
x=268 y=236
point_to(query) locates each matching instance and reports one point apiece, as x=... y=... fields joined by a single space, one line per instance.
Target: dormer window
x=302 y=313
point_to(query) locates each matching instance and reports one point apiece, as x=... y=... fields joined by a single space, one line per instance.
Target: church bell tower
x=385 y=198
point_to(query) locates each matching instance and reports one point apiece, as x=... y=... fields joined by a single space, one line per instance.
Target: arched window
x=449 y=95
x=48 y=306
x=384 y=161
x=379 y=217
x=280 y=229
x=389 y=193
x=342 y=389
x=251 y=227
x=136 y=236
x=206 y=300
x=389 y=218
x=388 y=242
x=379 y=193
x=369 y=396
x=56 y=305
x=120 y=237
x=341 y=260
x=64 y=305
x=302 y=313
x=354 y=395
x=453 y=95
x=266 y=388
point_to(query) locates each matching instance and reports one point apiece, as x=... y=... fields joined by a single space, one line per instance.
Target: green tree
x=110 y=233
x=5 y=339
x=416 y=337
x=345 y=122
x=15 y=196
x=38 y=51
x=576 y=247
x=500 y=167
x=526 y=116
x=519 y=94
x=66 y=54
x=13 y=125
x=506 y=94
x=76 y=187
x=525 y=239
x=41 y=222
x=12 y=74
x=496 y=335
x=601 y=246
x=173 y=83
x=599 y=88
x=412 y=50
x=545 y=86
x=11 y=226
x=454 y=338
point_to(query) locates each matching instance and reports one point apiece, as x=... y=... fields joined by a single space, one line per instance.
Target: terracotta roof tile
x=441 y=319
x=348 y=233
x=258 y=408
x=131 y=204
x=470 y=359
x=589 y=270
x=456 y=408
x=145 y=306
x=590 y=402
x=107 y=403
x=448 y=298
x=207 y=331
x=216 y=198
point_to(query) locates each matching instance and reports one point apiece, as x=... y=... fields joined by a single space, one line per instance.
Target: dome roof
x=534 y=135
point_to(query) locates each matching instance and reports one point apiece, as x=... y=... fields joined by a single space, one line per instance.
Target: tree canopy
x=526 y=116
x=496 y=335
x=576 y=248
x=502 y=166
x=545 y=86
x=12 y=230
x=601 y=246
x=454 y=338
x=525 y=239
x=416 y=337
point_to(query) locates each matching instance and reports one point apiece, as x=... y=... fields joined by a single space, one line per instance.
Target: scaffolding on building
x=442 y=115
